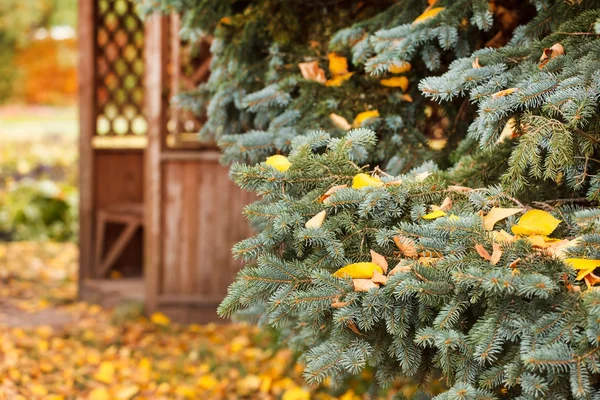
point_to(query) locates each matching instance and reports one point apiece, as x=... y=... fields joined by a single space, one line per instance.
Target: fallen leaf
x=361 y=270
x=159 y=318
x=363 y=116
x=497 y=214
x=316 y=221
x=475 y=63
x=332 y=190
x=311 y=71
x=396 y=82
x=434 y=215
x=537 y=241
x=508 y=132
x=402 y=266
x=296 y=394
x=502 y=236
x=496 y=254
x=583 y=265
x=445 y=206
x=336 y=303
x=535 y=222
x=401 y=68
x=559 y=248
x=380 y=260
x=406 y=97
x=406 y=246
x=428 y=14
x=379 y=278
x=428 y=261
x=421 y=176
x=279 y=162
x=549 y=53
x=514 y=263
x=483 y=252
x=363 y=180
x=459 y=189
x=503 y=93
x=337 y=81
x=338 y=65
x=105 y=373
x=99 y=394
x=363 y=285
x=353 y=327
x=340 y=121
x=127 y=392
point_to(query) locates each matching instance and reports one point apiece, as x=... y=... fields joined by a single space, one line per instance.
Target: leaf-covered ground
x=54 y=347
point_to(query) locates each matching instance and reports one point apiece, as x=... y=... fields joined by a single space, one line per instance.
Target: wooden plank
x=87 y=130
x=156 y=59
x=194 y=155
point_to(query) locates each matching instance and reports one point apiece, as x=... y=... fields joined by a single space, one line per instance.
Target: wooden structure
x=158 y=213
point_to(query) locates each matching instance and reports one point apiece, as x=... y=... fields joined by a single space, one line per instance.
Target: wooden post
x=87 y=124
x=156 y=57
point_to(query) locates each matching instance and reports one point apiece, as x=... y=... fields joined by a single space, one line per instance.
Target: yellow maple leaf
x=363 y=116
x=361 y=270
x=99 y=394
x=434 y=215
x=583 y=265
x=338 y=79
x=279 y=162
x=105 y=373
x=428 y=14
x=396 y=81
x=401 y=68
x=338 y=65
x=535 y=222
x=497 y=214
x=159 y=318
x=363 y=180
x=296 y=393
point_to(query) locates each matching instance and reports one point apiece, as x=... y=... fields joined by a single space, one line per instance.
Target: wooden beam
x=87 y=130
x=155 y=93
x=191 y=155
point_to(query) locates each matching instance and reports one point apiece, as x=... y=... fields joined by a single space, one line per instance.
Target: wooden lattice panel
x=119 y=69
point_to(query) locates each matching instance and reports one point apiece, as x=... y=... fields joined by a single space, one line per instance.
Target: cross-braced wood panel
x=119 y=69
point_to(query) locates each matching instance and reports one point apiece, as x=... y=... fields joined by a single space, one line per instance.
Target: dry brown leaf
x=496 y=254
x=317 y=220
x=353 y=327
x=380 y=260
x=363 y=285
x=503 y=93
x=340 y=121
x=497 y=214
x=558 y=249
x=332 y=190
x=591 y=280
x=551 y=52
x=475 y=63
x=406 y=97
x=502 y=236
x=445 y=206
x=336 y=303
x=459 y=189
x=393 y=183
x=483 y=252
x=312 y=72
x=428 y=261
x=402 y=266
x=514 y=263
x=379 y=278
x=406 y=246
x=508 y=132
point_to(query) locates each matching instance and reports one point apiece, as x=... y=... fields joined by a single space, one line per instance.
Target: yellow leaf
x=497 y=214
x=535 y=222
x=399 y=69
x=429 y=13
x=363 y=116
x=434 y=215
x=225 y=20
x=380 y=260
x=503 y=93
x=159 y=318
x=316 y=221
x=106 y=373
x=127 y=392
x=340 y=121
x=38 y=390
x=99 y=394
x=583 y=265
x=185 y=391
x=338 y=79
x=537 y=241
x=363 y=285
x=296 y=394
x=396 y=81
x=208 y=382
x=338 y=65
x=502 y=236
x=311 y=71
x=279 y=162
x=361 y=270
x=363 y=180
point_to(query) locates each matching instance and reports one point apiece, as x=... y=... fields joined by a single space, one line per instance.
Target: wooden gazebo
x=158 y=212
